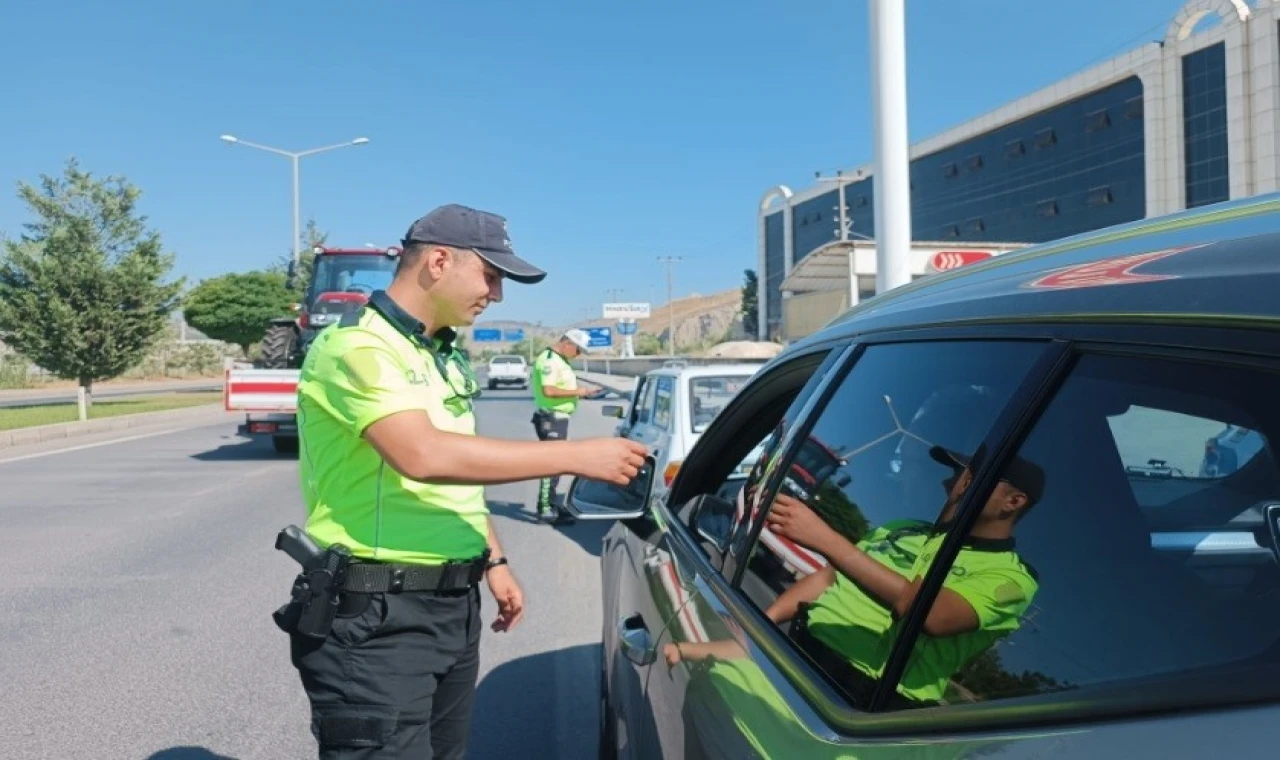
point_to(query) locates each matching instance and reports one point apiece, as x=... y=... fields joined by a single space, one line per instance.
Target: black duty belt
x=379 y=578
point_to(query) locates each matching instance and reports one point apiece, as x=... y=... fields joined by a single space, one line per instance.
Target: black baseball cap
x=1021 y=474
x=485 y=233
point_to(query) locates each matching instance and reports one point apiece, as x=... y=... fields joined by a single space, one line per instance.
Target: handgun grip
x=295 y=542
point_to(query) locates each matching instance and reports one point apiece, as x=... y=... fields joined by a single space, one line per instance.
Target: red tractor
x=342 y=279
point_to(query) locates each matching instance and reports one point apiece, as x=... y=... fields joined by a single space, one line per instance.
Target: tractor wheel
x=278 y=346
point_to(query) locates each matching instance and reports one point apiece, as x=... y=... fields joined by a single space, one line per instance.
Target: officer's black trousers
x=395 y=679
x=548 y=427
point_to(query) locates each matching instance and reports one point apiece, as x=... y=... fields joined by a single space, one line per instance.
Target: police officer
x=393 y=471
x=555 y=398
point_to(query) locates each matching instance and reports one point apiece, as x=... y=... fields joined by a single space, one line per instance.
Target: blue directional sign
x=601 y=337
x=627 y=328
x=486 y=335
x=513 y=335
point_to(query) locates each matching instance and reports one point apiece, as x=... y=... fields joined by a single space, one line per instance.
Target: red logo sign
x=1117 y=270
x=944 y=260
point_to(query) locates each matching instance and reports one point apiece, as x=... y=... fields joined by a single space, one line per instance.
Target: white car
x=672 y=406
x=508 y=369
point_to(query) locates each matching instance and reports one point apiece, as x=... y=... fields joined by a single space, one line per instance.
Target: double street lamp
x=294 y=156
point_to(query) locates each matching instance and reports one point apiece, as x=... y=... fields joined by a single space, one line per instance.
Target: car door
x=744 y=677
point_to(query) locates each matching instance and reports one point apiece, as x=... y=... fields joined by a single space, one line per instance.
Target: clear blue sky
x=608 y=133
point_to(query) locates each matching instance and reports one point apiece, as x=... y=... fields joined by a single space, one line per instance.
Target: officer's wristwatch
x=495 y=563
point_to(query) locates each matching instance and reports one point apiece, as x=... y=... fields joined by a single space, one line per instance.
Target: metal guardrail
x=642 y=364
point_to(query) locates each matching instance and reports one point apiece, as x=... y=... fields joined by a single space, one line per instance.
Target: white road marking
x=84 y=446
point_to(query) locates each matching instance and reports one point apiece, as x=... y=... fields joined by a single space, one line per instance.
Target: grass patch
x=49 y=414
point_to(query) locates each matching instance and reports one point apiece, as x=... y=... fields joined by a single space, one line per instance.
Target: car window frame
x=670 y=383
x=639 y=405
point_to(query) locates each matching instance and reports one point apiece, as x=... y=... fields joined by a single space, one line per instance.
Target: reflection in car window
x=709 y=395
x=1143 y=576
x=858 y=518
x=1158 y=443
x=662 y=403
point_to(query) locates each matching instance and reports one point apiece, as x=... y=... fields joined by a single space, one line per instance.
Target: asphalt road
x=39 y=397
x=138 y=580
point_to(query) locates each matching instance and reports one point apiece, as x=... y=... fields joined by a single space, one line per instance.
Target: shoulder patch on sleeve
x=367 y=368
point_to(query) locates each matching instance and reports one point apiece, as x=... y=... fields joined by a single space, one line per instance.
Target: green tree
x=645 y=344
x=750 y=303
x=236 y=308
x=312 y=236
x=83 y=291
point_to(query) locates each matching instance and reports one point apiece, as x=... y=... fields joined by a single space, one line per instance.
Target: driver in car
x=841 y=613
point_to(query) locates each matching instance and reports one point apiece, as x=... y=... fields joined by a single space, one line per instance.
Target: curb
x=42 y=433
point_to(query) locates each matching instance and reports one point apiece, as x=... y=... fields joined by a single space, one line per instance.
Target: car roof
x=1215 y=264
x=709 y=370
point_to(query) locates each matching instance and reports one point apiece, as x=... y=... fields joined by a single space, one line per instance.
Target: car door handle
x=635 y=640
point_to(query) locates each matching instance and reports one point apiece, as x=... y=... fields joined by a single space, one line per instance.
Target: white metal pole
x=297 y=215
x=892 y=163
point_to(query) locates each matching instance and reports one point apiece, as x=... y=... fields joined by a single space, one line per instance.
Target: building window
x=953 y=231
x=950 y=170
x=1047 y=208
x=1098 y=120
x=975 y=162
x=1045 y=138
x=1099 y=196
x=1204 y=125
x=860 y=201
x=976 y=225
x=1133 y=108
x=1014 y=148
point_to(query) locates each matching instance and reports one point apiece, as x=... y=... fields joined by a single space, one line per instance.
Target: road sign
x=626 y=311
x=486 y=335
x=601 y=337
x=944 y=260
x=627 y=328
x=513 y=335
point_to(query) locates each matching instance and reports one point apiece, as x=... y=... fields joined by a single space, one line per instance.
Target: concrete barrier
x=42 y=433
x=640 y=365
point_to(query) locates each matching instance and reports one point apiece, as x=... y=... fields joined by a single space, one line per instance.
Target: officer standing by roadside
x=393 y=476
x=555 y=398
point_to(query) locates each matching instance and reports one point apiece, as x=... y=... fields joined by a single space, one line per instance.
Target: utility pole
x=845 y=228
x=613 y=294
x=670 y=262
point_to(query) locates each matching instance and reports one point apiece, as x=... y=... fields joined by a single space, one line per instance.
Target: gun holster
x=315 y=595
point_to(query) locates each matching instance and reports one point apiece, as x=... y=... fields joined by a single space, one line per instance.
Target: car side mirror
x=613 y=410
x=596 y=500
x=712 y=517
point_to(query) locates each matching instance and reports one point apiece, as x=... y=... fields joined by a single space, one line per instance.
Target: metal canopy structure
x=828 y=268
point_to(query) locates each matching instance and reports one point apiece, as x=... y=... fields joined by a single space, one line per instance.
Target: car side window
x=643 y=411
x=662 y=402
x=1162 y=578
x=866 y=498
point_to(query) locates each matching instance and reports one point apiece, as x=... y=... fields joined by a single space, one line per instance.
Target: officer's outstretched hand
x=611 y=460
x=506 y=592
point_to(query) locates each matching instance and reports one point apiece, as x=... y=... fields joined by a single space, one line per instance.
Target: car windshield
x=352 y=273
x=507 y=360
x=708 y=395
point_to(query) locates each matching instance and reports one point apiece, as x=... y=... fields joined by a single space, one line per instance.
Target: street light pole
x=892 y=174
x=295 y=157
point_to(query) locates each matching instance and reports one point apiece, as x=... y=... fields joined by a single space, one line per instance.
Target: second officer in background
x=555 y=398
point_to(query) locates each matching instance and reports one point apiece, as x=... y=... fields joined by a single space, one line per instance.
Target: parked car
x=508 y=369
x=1024 y=545
x=671 y=407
